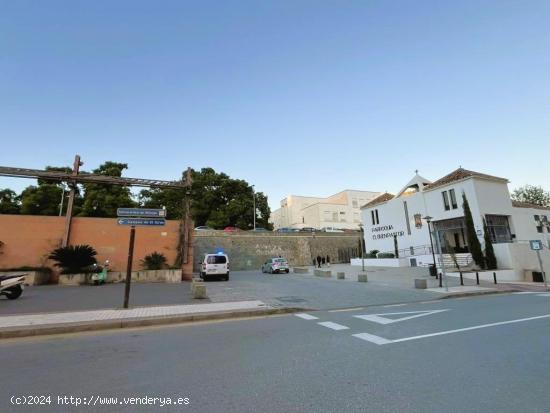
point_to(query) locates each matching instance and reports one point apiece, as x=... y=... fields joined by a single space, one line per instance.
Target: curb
x=475 y=293
x=51 y=329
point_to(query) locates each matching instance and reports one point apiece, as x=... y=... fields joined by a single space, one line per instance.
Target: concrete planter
x=146 y=276
x=362 y=278
x=301 y=270
x=323 y=273
x=341 y=275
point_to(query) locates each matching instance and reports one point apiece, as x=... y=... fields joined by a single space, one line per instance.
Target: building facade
x=401 y=220
x=341 y=210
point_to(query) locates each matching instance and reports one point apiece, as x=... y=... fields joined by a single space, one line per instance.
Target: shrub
x=74 y=259
x=154 y=261
x=386 y=255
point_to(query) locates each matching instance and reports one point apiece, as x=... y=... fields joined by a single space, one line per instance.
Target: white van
x=214 y=265
x=331 y=229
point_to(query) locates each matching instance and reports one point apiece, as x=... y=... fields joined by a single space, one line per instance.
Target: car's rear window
x=216 y=259
x=279 y=260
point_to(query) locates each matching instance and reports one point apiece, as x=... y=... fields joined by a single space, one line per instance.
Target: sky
x=304 y=97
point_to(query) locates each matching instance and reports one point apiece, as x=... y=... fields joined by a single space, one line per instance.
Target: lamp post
x=254 y=201
x=362 y=248
x=429 y=220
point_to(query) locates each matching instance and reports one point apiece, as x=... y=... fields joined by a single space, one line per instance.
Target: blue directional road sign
x=536 y=245
x=155 y=222
x=141 y=212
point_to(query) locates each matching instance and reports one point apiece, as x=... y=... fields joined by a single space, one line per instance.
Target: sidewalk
x=70 y=322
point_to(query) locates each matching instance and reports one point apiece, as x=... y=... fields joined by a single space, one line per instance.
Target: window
x=453 y=198
x=377 y=220
x=407 y=218
x=539 y=229
x=499 y=228
x=446 y=201
x=216 y=259
x=373 y=218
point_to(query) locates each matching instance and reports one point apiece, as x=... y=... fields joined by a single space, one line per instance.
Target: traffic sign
x=141 y=212
x=155 y=222
x=536 y=245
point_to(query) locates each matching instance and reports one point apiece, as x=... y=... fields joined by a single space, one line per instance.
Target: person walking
x=328 y=261
x=319 y=261
x=323 y=261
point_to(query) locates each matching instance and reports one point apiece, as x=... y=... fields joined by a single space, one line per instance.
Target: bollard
x=477 y=278
x=440 y=280
x=362 y=278
x=461 y=279
x=199 y=291
x=495 y=277
x=341 y=275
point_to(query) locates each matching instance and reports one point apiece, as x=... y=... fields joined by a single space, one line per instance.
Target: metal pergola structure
x=87 y=178
x=76 y=177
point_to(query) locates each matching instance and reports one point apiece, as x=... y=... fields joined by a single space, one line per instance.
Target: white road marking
x=525 y=292
x=459 y=330
x=381 y=340
x=380 y=319
x=372 y=338
x=333 y=326
x=306 y=316
x=394 y=305
x=346 y=309
x=543 y=295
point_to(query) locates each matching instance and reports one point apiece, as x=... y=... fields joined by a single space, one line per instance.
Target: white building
x=341 y=210
x=400 y=219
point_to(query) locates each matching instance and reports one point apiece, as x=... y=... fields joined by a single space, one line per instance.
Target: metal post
x=440 y=280
x=254 y=198
x=495 y=277
x=432 y=246
x=62 y=199
x=129 y=266
x=69 y=214
x=461 y=279
x=477 y=278
x=362 y=243
x=542 y=269
x=444 y=271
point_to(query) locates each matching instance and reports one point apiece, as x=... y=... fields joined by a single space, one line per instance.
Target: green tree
x=9 y=202
x=43 y=199
x=102 y=200
x=490 y=258
x=532 y=195
x=217 y=200
x=471 y=235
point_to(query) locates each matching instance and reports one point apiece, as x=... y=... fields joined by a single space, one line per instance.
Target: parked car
x=259 y=230
x=231 y=229
x=308 y=229
x=214 y=266
x=276 y=265
x=286 y=230
x=203 y=228
x=331 y=229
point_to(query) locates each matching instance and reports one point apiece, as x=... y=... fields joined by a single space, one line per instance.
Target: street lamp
x=254 y=199
x=429 y=220
x=362 y=248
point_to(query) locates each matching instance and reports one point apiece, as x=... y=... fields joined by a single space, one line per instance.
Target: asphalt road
x=456 y=355
x=289 y=290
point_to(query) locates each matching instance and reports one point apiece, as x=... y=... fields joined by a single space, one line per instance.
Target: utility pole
x=69 y=214
x=186 y=224
x=443 y=270
x=254 y=199
x=129 y=266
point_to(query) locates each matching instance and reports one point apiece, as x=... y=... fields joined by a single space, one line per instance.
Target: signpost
x=536 y=245
x=135 y=217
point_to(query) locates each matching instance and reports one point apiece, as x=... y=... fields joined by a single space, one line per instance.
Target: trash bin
x=433 y=270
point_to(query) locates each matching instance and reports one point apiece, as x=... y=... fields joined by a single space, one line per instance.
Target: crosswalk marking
x=333 y=326
x=381 y=319
x=372 y=338
x=306 y=316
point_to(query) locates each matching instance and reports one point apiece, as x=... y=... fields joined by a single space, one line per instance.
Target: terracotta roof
x=380 y=199
x=459 y=175
x=519 y=204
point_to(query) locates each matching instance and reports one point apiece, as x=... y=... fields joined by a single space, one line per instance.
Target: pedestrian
x=323 y=261
x=319 y=261
x=328 y=261
x=314 y=262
